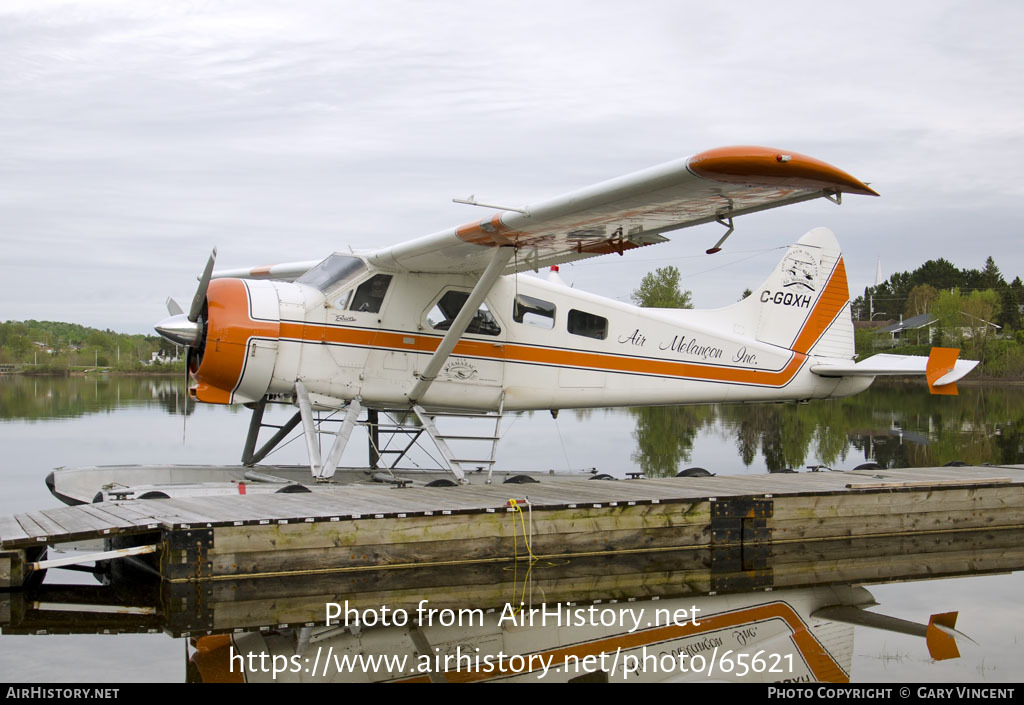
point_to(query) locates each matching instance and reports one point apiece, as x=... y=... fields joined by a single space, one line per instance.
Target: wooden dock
x=742 y=517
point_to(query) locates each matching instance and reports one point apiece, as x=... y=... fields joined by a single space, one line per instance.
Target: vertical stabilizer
x=805 y=304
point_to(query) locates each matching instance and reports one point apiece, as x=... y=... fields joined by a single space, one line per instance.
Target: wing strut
x=483 y=286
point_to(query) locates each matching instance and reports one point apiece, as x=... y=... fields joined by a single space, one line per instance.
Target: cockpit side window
x=370 y=294
x=443 y=314
x=534 y=312
x=331 y=271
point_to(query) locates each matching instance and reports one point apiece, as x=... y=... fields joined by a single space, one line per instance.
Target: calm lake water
x=47 y=422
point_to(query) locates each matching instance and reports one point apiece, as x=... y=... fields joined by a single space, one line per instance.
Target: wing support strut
x=483 y=286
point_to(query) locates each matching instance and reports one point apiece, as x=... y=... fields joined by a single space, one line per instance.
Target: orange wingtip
x=940 y=363
x=764 y=166
x=941 y=646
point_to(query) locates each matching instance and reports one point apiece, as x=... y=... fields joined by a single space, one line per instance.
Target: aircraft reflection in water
x=742 y=637
x=783 y=616
x=895 y=425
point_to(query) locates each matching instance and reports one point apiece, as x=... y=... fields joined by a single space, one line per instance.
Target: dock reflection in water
x=638 y=617
x=49 y=422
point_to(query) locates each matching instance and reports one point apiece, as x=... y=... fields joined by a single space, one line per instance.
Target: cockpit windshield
x=332 y=270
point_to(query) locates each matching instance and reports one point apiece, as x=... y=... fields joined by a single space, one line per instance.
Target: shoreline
x=92 y=373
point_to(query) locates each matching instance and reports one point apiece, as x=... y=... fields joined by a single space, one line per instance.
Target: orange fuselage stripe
x=513 y=352
x=231 y=328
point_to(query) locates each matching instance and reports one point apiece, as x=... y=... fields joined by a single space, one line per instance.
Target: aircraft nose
x=178 y=329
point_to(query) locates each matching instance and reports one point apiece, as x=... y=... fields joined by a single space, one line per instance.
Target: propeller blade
x=184 y=408
x=173 y=308
x=204 y=284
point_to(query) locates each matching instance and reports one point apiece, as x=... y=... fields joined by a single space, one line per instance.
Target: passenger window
x=370 y=294
x=534 y=312
x=443 y=314
x=587 y=325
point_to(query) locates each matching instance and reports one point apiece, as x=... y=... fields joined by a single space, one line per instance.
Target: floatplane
x=448 y=325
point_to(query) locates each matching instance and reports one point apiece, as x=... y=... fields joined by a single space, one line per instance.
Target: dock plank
x=177 y=511
x=35 y=532
x=100 y=514
x=78 y=521
x=11 y=531
x=36 y=525
x=237 y=511
x=126 y=512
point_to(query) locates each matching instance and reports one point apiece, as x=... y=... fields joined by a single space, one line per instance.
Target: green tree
x=920 y=299
x=990 y=276
x=946 y=308
x=980 y=309
x=660 y=289
x=1009 y=312
x=1013 y=300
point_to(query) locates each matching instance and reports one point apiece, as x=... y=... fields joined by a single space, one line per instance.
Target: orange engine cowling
x=235 y=359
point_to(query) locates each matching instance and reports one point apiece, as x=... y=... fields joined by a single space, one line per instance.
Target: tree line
x=55 y=346
x=975 y=310
x=913 y=293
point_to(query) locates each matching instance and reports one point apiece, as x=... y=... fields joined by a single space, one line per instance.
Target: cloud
x=139 y=136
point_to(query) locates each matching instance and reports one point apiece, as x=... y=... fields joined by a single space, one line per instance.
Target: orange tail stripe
x=829 y=305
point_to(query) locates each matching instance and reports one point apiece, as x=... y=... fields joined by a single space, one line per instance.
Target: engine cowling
x=234 y=362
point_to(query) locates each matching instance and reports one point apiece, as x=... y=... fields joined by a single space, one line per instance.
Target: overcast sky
x=136 y=136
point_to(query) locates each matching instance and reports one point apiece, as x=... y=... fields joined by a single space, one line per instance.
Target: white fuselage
x=618 y=355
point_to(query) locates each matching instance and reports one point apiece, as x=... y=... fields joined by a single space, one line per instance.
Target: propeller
x=187 y=330
x=182 y=329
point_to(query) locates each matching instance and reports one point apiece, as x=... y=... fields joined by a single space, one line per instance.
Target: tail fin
x=804 y=303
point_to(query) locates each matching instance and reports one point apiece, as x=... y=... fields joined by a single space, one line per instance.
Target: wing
x=628 y=212
x=288 y=271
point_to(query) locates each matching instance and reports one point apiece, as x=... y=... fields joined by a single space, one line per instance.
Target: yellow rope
x=515 y=553
x=517 y=509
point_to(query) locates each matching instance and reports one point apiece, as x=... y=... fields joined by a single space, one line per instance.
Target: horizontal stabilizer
x=941 y=636
x=942 y=368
